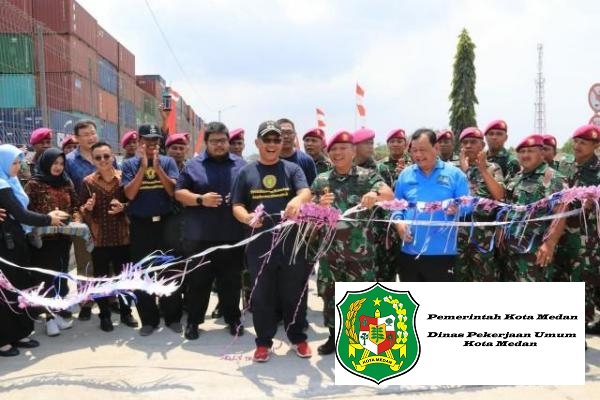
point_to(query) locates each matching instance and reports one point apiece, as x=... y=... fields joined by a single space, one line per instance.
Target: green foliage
x=462 y=95
x=381 y=151
x=567 y=147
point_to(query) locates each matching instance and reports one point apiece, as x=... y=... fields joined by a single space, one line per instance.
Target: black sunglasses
x=272 y=141
x=103 y=156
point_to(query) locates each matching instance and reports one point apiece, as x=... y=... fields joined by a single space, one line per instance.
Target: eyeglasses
x=102 y=156
x=271 y=141
x=217 y=141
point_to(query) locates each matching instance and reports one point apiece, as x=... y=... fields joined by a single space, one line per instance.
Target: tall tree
x=462 y=96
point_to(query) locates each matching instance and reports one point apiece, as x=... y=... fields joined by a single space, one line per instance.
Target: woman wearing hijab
x=16 y=324
x=51 y=189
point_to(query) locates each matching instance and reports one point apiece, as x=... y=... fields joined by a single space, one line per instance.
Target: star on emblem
x=377 y=302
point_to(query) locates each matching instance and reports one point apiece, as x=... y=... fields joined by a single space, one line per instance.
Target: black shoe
x=85 y=314
x=13 y=351
x=327 y=348
x=236 y=329
x=106 y=325
x=592 y=329
x=217 y=312
x=191 y=332
x=30 y=344
x=129 y=321
x=66 y=314
x=114 y=307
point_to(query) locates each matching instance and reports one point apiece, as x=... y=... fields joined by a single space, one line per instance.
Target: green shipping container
x=16 y=53
x=17 y=91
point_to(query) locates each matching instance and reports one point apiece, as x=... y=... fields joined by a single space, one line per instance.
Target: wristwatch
x=199 y=199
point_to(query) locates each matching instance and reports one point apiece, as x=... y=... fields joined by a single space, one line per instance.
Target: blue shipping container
x=16 y=124
x=127 y=113
x=17 y=91
x=109 y=133
x=108 y=77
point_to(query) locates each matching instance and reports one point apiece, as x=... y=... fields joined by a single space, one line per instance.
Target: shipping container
x=107 y=46
x=108 y=132
x=138 y=99
x=150 y=105
x=126 y=61
x=15 y=17
x=62 y=121
x=68 y=91
x=108 y=79
x=16 y=53
x=126 y=113
x=67 y=53
x=16 y=124
x=151 y=84
x=126 y=87
x=66 y=16
x=108 y=108
x=17 y=91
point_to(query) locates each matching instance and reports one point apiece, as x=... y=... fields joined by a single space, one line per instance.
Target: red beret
x=340 y=137
x=69 y=139
x=127 y=137
x=549 y=140
x=362 y=135
x=40 y=134
x=588 y=132
x=445 y=134
x=497 y=124
x=177 y=138
x=471 y=132
x=316 y=133
x=531 y=141
x=236 y=134
x=396 y=134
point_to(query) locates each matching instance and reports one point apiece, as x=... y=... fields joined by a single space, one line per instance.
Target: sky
x=258 y=60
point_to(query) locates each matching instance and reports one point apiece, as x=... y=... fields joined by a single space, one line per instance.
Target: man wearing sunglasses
x=279 y=279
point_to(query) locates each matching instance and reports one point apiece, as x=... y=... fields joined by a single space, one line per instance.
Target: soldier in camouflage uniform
x=445 y=140
x=364 y=139
x=398 y=158
x=314 y=143
x=530 y=246
x=495 y=136
x=475 y=261
x=351 y=257
x=550 y=151
x=582 y=242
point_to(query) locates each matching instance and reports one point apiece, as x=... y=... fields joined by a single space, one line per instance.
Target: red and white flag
x=320 y=119
x=360 y=94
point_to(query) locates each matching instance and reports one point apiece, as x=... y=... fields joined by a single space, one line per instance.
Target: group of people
x=154 y=201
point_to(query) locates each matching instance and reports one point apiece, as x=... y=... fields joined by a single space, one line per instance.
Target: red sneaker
x=303 y=350
x=262 y=354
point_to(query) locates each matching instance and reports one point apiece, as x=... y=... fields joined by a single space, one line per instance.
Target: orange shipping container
x=68 y=91
x=108 y=108
x=126 y=61
x=107 y=46
x=66 y=53
x=66 y=16
x=16 y=17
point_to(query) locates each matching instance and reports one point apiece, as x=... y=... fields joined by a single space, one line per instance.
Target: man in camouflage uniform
x=364 y=139
x=530 y=246
x=314 y=143
x=582 y=241
x=445 y=140
x=475 y=261
x=398 y=158
x=550 y=151
x=351 y=257
x=495 y=136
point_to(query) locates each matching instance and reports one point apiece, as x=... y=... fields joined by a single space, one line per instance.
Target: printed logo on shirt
x=269 y=181
x=151 y=180
x=443 y=180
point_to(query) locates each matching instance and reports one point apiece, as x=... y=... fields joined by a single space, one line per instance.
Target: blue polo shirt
x=445 y=182
x=306 y=163
x=152 y=199
x=203 y=174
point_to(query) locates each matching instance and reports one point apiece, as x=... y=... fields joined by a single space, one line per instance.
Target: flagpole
x=355 y=112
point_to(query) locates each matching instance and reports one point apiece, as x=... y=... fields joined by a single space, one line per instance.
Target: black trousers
x=226 y=268
x=103 y=257
x=147 y=237
x=53 y=255
x=278 y=288
x=425 y=268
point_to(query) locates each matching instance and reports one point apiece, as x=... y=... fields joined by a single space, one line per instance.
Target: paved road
x=85 y=363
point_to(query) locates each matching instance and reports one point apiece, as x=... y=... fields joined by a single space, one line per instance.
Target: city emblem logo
x=377 y=339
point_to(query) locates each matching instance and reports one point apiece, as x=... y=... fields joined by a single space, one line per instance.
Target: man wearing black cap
x=279 y=280
x=149 y=183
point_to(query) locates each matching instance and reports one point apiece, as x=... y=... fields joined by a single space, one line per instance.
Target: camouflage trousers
x=475 y=264
x=332 y=270
x=567 y=249
x=387 y=250
x=586 y=268
x=521 y=267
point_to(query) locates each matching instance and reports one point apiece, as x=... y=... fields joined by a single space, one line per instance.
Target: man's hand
x=212 y=199
x=253 y=222
x=545 y=253
x=326 y=200
x=90 y=203
x=403 y=231
x=2 y=214
x=164 y=114
x=144 y=157
x=481 y=161
x=293 y=208
x=369 y=199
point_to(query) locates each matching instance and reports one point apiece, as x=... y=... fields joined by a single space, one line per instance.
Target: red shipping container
x=68 y=91
x=66 y=53
x=15 y=17
x=107 y=46
x=152 y=84
x=66 y=16
x=126 y=87
x=108 y=107
x=126 y=61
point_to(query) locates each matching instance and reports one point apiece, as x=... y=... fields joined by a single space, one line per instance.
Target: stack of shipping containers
x=58 y=65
